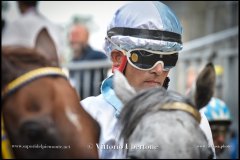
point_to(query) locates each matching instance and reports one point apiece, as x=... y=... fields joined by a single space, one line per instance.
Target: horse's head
x=157 y=123
x=41 y=110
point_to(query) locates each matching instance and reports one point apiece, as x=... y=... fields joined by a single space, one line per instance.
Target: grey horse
x=157 y=123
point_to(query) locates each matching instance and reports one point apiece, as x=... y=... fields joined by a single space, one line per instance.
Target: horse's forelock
x=19 y=60
x=140 y=114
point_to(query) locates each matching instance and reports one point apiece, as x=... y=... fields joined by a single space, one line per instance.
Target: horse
x=41 y=111
x=160 y=123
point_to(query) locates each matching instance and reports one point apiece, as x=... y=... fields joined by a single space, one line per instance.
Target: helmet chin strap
x=166 y=82
x=122 y=65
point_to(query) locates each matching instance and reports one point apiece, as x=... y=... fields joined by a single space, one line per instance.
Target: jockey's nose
x=158 y=69
x=221 y=139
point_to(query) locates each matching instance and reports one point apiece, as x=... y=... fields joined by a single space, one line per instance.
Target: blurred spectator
x=24 y=30
x=78 y=39
x=234 y=145
x=5 y=6
x=218 y=115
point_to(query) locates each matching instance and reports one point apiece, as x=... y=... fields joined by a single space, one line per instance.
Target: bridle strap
x=15 y=85
x=30 y=76
x=184 y=107
x=7 y=152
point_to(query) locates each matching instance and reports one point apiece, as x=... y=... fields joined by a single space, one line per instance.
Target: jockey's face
x=145 y=79
x=140 y=79
x=219 y=133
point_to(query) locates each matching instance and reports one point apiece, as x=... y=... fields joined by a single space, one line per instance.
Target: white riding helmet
x=148 y=25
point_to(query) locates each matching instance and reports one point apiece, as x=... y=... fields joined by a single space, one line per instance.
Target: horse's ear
x=46 y=46
x=205 y=85
x=122 y=88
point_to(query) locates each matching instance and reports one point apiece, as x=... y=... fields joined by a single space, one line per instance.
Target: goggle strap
x=146 y=34
x=150 y=51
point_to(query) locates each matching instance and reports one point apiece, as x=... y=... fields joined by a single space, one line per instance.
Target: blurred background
x=210 y=33
x=95 y=15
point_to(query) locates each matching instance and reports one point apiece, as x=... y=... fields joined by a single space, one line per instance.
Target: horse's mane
x=142 y=123
x=19 y=60
x=146 y=102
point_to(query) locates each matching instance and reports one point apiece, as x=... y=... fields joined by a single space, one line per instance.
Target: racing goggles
x=144 y=59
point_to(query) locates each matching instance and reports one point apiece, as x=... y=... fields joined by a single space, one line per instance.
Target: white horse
x=157 y=123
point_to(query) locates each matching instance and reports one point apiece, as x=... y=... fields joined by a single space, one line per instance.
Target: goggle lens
x=146 y=60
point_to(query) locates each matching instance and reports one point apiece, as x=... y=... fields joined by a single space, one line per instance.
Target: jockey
x=218 y=115
x=143 y=41
x=217 y=111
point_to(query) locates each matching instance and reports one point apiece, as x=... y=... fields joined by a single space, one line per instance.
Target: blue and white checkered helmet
x=144 y=24
x=217 y=110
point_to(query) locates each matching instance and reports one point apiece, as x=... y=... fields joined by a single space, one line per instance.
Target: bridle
x=30 y=76
x=15 y=85
x=183 y=107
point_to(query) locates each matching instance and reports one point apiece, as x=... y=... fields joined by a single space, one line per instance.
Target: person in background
x=5 y=6
x=29 y=24
x=82 y=51
x=219 y=117
x=78 y=39
x=234 y=143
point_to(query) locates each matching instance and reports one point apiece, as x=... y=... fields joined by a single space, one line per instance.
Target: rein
x=14 y=86
x=6 y=146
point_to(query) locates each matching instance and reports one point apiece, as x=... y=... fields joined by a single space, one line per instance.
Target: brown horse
x=41 y=110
